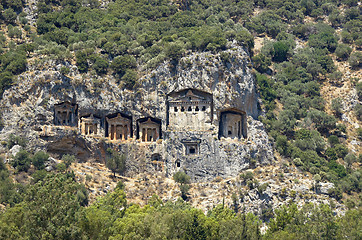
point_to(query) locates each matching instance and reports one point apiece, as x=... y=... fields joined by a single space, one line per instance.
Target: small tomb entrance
x=157 y=161
x=118 y=126
x=65 y=114
x=233 y=124
x=192 y=147
x=149 y=129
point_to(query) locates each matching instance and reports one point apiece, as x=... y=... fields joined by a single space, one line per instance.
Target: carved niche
x=233 y=124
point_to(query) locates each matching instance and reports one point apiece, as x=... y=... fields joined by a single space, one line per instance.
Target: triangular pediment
x=189 y=96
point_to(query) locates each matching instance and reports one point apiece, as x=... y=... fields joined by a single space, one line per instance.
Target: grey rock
x=29 y=109
x=49 y=168
x=324 y=187
x=15 y=149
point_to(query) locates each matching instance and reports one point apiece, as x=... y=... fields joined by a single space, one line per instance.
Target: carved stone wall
x=189 y=109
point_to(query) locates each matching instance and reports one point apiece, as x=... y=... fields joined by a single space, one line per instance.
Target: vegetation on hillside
x=54 y=208
x=125 y=38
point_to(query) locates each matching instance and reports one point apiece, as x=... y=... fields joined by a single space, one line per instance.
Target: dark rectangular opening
x=192 y=150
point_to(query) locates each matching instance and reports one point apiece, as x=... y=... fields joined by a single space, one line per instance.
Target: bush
x=282 y=144
x=359 y=133
x=244 y=38
x=121 y=63
x=38 y=175
x=64 y=70
x=82 y=61
x=341 y=150
x=358 y=111
x=322 y=121
x=298 y=162
x=346 y=37
x=14 y=62
x=100 y=66
x=331 y=154
x=350 y=158
x=39 y=159
x=359 y=90
x=21 y=161
x=14 y=32
x=337 y=168
x=333 y=140
x=343 y=51
x=181 y=177
x=68 y=160
x=174 y=51
x=6 y=79
x=9 y=16
x=15 y=140
x=116 y=162
x=324 y=39
x=129 y=78
x=247 y=176
x=261 y=62
x=280 y=51
x=355 y=60
x=336 y=106
x=184 y=188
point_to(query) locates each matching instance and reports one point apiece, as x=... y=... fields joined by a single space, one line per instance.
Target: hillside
x=216 y=118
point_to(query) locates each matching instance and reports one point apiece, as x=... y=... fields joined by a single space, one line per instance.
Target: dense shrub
x=355 y=60
x=21 y=161
x=343 y=51
x=39 y=159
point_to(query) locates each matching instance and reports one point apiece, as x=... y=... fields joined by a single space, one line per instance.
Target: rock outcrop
x=204 y=153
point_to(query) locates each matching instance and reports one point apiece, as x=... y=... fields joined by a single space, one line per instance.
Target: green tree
x=39 y=159
x=336 y=106
x=261 y=62
x=21 y=161
x=100 y=65
x=9 y=16
x=82 y=61
x=355 y=60
x=121 y=63
x=116 y=162
x=183 y=179
x=343 y=51
x=56 y=218
x=68 y=160
x=280 y=51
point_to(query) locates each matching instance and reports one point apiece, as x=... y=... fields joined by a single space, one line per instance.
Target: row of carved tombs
x=188 y=109
x=117 y=126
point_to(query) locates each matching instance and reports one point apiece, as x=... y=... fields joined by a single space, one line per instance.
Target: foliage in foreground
x=55 y=208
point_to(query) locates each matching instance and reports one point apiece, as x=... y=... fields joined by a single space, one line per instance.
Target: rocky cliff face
x=29 y=112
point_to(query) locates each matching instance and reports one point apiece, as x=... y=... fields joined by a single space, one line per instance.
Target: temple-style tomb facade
x=149 y=129
x=65 y=114
x=189 y=109
x=119 y=126
x=90 y=125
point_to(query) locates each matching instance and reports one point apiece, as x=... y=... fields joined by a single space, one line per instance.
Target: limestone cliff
x=29 y=111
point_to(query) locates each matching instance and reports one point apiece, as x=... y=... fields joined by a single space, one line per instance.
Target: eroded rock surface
x=198 y=149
